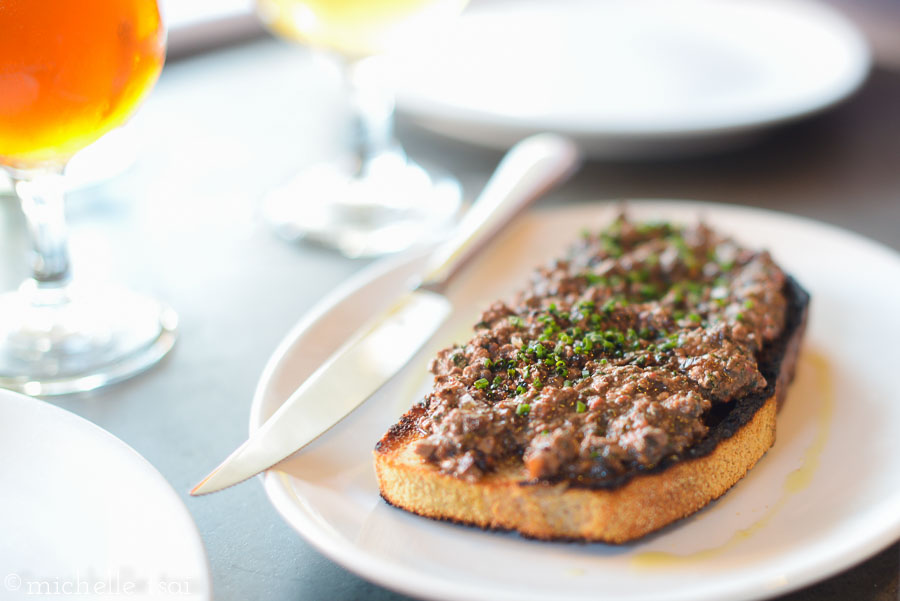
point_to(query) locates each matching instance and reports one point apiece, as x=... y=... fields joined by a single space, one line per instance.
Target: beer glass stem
x=41 y=193
x=58 y=336
x=372 y=112
x=374 y=199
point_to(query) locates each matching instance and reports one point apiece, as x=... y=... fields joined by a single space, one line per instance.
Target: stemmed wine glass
x=376 y=200
x=71 y=70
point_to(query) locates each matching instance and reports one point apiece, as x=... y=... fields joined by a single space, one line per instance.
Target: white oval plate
x=631 y=78
x=84 y=515
x=825 y=497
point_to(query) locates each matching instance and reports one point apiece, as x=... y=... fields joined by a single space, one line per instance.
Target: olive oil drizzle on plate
x=820 y=386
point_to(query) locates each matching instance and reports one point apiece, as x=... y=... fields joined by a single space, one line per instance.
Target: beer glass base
x=66 y=339
x=394 y=205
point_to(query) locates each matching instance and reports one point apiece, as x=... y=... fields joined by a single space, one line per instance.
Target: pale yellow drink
x=356 y=28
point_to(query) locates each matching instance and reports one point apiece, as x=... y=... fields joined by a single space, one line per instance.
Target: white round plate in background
x=83 y=515
x=631 y=78
x=825 y=497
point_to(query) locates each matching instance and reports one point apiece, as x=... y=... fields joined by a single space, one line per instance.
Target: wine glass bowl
x=356 y=28
x=70 y=71
x=375 y=200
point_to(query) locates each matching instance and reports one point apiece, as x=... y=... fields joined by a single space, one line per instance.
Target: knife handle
x=529 y=169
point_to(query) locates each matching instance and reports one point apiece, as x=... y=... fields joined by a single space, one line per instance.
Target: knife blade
x=385 y=344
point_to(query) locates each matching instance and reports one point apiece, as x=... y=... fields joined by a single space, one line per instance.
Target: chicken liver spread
x=609 y=360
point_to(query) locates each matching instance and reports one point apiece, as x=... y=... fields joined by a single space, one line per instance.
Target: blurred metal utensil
x=378 y=350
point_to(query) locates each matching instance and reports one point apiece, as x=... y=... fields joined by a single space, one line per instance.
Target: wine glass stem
x=41 y=193
x=372 y=112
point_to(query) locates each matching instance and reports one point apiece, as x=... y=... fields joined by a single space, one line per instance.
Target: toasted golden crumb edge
x=556 y=511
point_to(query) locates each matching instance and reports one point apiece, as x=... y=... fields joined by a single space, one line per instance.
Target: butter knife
x=381 y=348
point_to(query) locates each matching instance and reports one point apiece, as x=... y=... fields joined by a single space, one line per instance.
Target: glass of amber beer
x=71 y=70
x=376 y=200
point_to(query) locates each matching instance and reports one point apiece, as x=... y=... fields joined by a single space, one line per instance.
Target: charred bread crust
x=613 y=510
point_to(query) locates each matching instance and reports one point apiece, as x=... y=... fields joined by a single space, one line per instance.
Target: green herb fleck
x=595 y=280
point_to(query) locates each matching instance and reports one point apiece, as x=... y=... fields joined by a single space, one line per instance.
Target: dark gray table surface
x=183 y=223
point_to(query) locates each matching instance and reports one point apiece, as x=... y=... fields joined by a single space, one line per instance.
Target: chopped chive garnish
x=580 y=407
x=481 y=383
x=523 y=409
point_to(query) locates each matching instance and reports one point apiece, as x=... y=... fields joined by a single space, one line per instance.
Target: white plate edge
x=165 y=486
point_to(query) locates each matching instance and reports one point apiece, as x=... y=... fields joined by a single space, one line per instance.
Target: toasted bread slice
x=618 y=511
